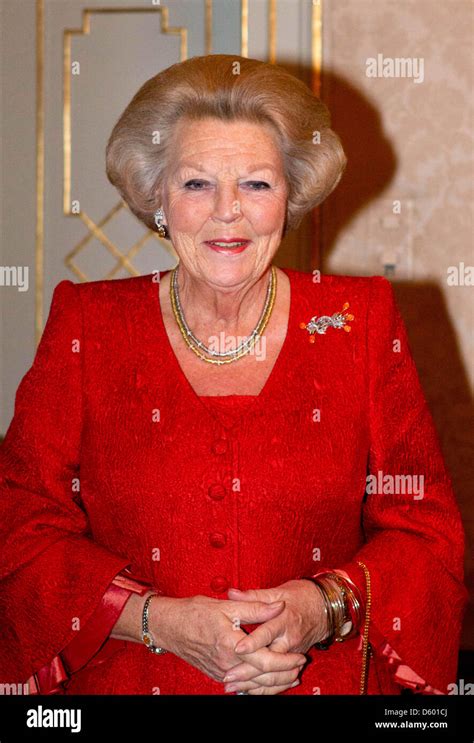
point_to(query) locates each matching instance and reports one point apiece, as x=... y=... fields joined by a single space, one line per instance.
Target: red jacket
x=245 y=491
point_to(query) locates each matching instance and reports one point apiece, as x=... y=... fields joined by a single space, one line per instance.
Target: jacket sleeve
x=53 y=575
x=414 y=539
x=91 y=645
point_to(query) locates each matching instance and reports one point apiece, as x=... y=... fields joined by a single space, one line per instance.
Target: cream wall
x=17 y=195
x=428 y=135
x=413 y=143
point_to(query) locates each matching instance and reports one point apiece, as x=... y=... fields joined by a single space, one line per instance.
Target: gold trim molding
x=208 y=26
x=39 y=232
x=85 y=30
x=95 y=230
x=244 y=28
x=317 y=44
x=272 y=28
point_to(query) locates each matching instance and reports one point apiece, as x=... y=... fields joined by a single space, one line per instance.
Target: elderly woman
x=206 y=464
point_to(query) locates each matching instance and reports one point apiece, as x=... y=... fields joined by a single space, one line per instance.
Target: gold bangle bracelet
x=347 y=615
x=329 y=639
x=352 y=605
x=353 y=594
x=346 y=603
x=338 y=604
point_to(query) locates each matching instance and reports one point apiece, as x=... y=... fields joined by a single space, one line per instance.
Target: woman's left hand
x=301 y=624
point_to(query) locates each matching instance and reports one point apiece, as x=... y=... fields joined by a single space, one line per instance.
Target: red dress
x=116 y=476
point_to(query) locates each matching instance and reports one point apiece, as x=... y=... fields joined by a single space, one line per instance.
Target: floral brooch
x=323 y=322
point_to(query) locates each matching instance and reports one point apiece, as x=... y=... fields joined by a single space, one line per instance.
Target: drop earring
x=161 y=229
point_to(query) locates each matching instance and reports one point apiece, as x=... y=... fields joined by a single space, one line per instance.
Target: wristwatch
x=146 y=636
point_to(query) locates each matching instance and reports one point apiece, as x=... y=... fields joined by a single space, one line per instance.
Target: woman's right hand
x=204 y=632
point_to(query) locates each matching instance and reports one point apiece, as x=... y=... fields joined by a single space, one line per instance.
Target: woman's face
x=225 y=181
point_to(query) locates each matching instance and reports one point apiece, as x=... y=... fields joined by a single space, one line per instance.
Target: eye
x=257 y=185
x=195 y=184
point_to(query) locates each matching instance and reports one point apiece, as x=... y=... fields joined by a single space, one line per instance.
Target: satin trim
x=93 y=640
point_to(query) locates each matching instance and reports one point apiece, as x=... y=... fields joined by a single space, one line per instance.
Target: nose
x=226 y=203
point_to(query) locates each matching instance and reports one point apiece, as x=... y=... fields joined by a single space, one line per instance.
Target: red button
x=219 y=584
x=217 y=539
x=216 y=491
x=220 y=446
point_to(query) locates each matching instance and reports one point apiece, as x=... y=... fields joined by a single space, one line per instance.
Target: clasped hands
x=207 y=633
x=273 y=654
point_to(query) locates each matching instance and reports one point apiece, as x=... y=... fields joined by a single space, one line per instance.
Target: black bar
x=324 y=718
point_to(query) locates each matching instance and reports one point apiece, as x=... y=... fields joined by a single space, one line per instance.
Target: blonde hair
x=225 y=87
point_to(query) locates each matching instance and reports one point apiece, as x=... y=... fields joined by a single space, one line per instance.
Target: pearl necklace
x=224 y=357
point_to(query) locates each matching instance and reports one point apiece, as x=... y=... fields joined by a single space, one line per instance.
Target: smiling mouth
x=233 y=246
x=228 y=243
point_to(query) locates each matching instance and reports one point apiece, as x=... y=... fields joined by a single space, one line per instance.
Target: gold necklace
x=194 y=344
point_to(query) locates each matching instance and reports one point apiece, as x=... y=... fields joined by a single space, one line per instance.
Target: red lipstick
x=228 y=245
